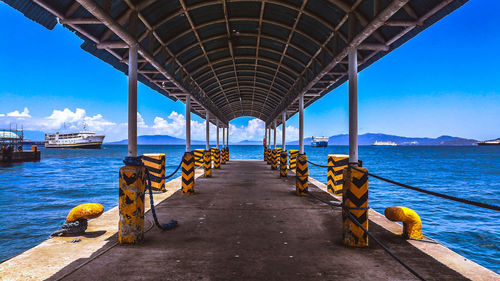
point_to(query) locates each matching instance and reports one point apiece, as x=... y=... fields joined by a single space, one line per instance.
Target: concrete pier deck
x=244 y=223
x=247 y=224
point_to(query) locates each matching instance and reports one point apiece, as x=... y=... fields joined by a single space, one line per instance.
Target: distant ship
x=319 y=141
x=384 y=143
x=84 y=139
x=489 y=142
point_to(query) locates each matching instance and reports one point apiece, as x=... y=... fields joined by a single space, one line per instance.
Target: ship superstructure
x=384 y=143
x=84 y=139
x=319 y=141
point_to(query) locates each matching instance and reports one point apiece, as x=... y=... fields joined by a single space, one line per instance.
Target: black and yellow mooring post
x=198 y=157
x=335 y=176
x=155 y=163
x=207 y=163
x=283 y=163
x=302 y=174
x=188 y=173
x=131 y=204
x=274 y=164
x=223 y=156
x=265 y=154
x=227 y=153
x=269 y=156
x=216 y=157
x=355 y=200
x=293 y=159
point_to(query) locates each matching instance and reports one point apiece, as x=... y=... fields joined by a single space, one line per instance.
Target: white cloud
x=174 y=125
x=15 y=113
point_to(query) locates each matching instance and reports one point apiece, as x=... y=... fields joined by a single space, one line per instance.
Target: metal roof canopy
x=240 y=57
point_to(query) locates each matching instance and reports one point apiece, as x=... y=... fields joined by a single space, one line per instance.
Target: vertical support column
x=353 y=94
x=132 y=101
x=301 y=124
x=227 y=143
x=265 y=144
x=188 y=123
x=284 y=155
x=223 y=150
x=283 y=133
x=355 y=201
x=207 y=131
x=274 y=127
x=217 y=125
x=207 y=157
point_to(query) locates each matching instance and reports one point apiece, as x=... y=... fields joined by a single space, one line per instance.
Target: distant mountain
x=249 y=142
x=157 y=140
x=370 y=138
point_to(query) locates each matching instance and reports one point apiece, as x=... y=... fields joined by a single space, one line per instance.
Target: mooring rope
x=445 y=196
x=449 y=197
x=355 y=221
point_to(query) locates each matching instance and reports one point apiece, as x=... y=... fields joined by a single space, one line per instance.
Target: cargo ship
x=319 y=141
x=84 y=139
x=489 y=142
x=384 y=143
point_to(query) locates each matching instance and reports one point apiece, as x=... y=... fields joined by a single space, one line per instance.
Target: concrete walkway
x=247 y=224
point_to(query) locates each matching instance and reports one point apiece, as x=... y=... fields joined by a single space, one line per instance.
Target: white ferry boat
x=489 y=142
x=384 y=143
x=319 y=141
x=84 y=139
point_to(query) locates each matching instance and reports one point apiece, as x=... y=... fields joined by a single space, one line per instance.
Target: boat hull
x=319 y=144
x=488 y=143
x=94 y=145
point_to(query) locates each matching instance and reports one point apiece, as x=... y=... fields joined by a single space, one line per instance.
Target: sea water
x=35 y=197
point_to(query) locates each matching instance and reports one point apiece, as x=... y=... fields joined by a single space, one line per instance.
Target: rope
x=449 y=197
x=317 y=165
x=169 y=176
x=355 y=221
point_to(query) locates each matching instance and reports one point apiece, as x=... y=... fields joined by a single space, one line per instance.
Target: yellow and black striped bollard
x=302 y=174
x=283 y=163
x=223 y=156
x=293 y=159
x=335 y=177
x=188 y=173
x=216 y=158
x=265 y=154
x=227 y=153
x=269 y=156
x=207 y=163
x=198 y=157
x=274 y=163
x=155 y=163
x=131 y=204
x=355 y=200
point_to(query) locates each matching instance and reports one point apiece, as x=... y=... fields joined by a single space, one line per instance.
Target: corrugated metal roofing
x=242 y=57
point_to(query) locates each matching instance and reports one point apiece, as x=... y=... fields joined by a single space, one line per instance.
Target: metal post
x=283 y=131
x=207 y=131
x=188 y=123
x=223 y=137
x=132 y=101
x=274 y=134
x=301 y=124
x=217 y=125
x=353 y=105
x=227 y=136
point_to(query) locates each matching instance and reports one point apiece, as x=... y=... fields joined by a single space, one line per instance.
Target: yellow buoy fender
x=85 y=211
x=412 y=225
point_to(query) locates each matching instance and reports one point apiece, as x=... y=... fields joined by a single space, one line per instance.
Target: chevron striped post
x=216 y=158
x=198 y=157
x=283 y=164
x=131 y=204
x=207 y=163
x=335 y=177
x=188 y=173
x=265 y=154
x=293 y=159
x=269 y=156
x=223 y=156
x=227 y=153
x=274 y=164
x=302 y=174
x=355 y=199
x=155 y=163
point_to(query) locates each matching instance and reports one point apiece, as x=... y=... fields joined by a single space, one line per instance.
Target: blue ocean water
x=36 y=197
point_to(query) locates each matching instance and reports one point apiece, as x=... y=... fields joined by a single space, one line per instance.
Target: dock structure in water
x=242 y=220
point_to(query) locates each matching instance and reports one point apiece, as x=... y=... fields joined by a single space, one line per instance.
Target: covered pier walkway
x=245 y=223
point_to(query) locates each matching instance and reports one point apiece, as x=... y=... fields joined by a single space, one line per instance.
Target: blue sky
x=443 y=82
